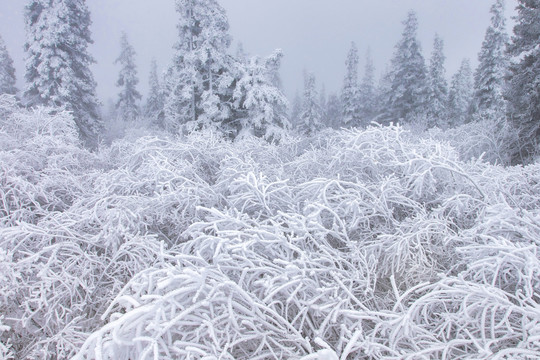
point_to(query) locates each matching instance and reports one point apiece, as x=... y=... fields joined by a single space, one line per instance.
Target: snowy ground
x=372 y=244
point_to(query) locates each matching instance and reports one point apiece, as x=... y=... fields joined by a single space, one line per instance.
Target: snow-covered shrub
x=352 y=244
x=488 y=137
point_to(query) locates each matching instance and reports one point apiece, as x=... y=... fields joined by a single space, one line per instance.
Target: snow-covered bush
x=372 y=244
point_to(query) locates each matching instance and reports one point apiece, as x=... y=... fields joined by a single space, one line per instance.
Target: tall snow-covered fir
x=408 y=93
x=199 y=82
x=58 y=62
x=153 y=108
x=7 y=71
x=460 y=94
x=127 y=106
x=489 y=78
x=263 y=104
x=350 y=96
x=311 y=117
x=367 y=101
x=524 y=83
x=438 y=86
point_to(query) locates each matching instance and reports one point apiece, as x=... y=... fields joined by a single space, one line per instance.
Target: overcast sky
x=314 y=34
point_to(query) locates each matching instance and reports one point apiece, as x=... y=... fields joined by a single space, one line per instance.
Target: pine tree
x=273 y=65
x=383 y=98
x=199 y=82
x=334 y=111
x=323 y=104
x=264 y=104
x=350 y=96
x=438 y=87
x=524 y=83
x=461 y=92
x=310 y=118
x=7 y=71
x=408 y=93
x=155 y=101
x=493 y=63
x=367 y=92
x=296 y=110
x=58 y=62
x=127 y=107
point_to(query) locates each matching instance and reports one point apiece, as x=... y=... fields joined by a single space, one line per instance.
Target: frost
x=350 y=244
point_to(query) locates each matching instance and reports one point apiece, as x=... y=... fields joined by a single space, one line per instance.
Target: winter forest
x=212 y=218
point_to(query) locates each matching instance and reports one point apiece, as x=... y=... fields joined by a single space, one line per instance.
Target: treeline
x=206 y=87
x=503 y=89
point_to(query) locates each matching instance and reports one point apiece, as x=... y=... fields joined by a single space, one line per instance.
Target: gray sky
x=314 y=34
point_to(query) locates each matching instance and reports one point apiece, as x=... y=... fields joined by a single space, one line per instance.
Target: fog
x=314 y=35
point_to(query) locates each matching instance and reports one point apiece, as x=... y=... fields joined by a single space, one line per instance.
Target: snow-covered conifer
x=383 y=98
x=438 y=86
x=333 y=111
x=408 y=93
x=199 y=84
x=367 y=92
x=323 y=103
x=350 y=95
x=58 y=62
x=493 y=64
x=524 y=85
x=264 y=104
x=296 y=110
x=127 y=107
x=310 y=118
x=153 y=108
x=7 y=71
x=460 y=95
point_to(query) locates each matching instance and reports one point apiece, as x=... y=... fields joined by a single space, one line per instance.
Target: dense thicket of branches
x=357 y=244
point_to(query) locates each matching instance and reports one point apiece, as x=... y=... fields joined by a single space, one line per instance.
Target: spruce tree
x=408 y=93
x=296 y=110
x=493 y=63
x=524 y=82
x=367 y=92
x=350 y=96
x=323 y=104
x=127 y=107
x=58 y=62
x=265 y=107
x=438 y=87
x=199 y=82
x=153 y=109
x=310 y=118
x=334 y=111
x=460 y=95
x=7 y=71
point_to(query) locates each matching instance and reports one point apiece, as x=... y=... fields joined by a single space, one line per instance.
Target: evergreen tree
x=438 y=87
x=7 y=71
x=155 y=102
x=350 y=96
x=524 y=82
x=383 y=98
x=493 y=63
x=408 y=93
x=323 y=105
x=296 y=110
x=334 y=111
x=310 y=118
x=367 y=102
x=461 y=92
x=199 y=83
x=58 y=63
x=273 y=65
x=127 y=107
x=264 y=104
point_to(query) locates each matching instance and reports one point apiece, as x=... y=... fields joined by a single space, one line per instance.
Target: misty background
x=314 y=35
